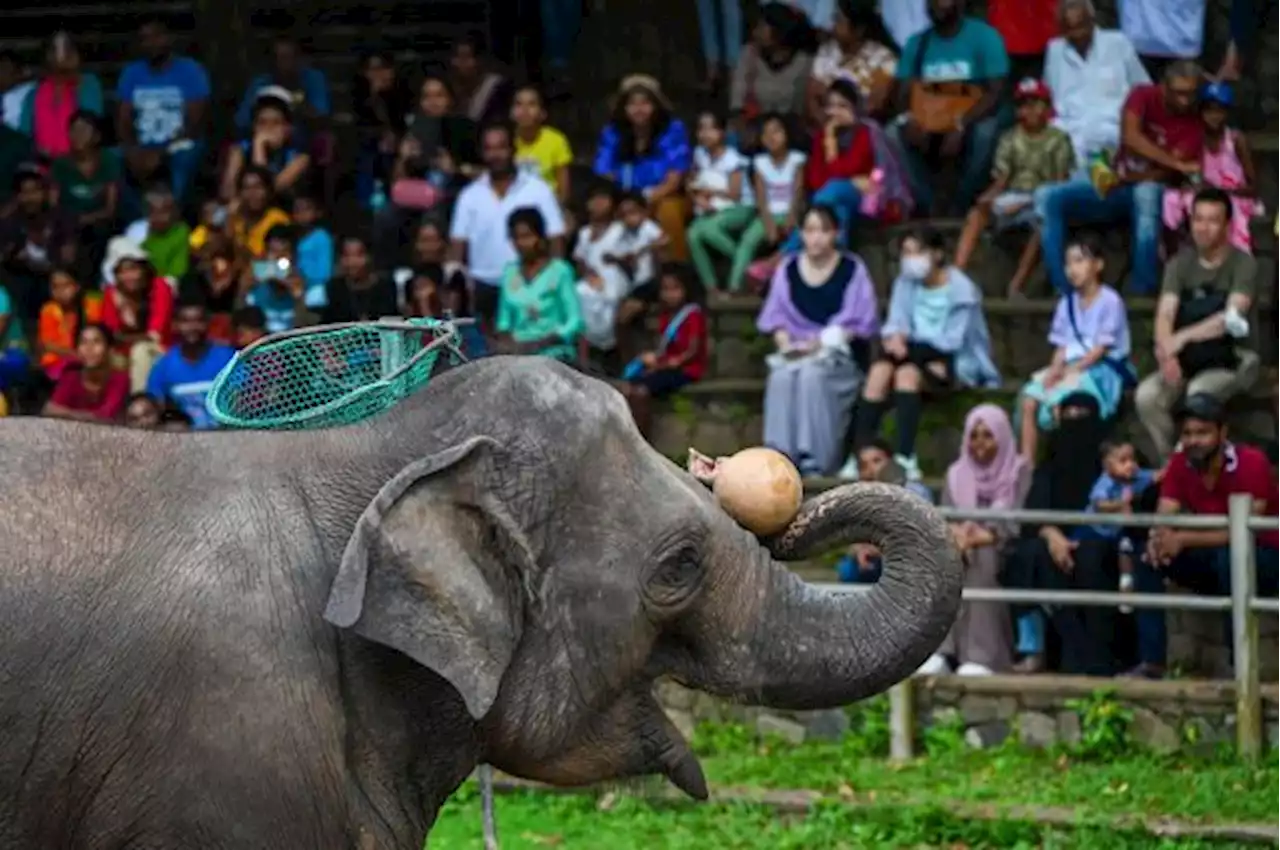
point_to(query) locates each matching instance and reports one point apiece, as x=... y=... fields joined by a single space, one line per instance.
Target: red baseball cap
x=1032 y=89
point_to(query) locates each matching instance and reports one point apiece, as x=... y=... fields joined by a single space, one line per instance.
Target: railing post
x=1244 y=626
x=902 y=720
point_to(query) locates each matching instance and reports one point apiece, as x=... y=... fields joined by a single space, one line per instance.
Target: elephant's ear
x=427 y=572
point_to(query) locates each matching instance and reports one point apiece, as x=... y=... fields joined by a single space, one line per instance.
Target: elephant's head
x=549 y=565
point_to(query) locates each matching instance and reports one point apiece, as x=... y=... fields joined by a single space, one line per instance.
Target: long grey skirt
x=807 y=405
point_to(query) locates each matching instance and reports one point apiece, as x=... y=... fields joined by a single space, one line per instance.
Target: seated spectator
x=988 y=475
x=157 y=129
x=248 y=325
x=436 y=293
x=1202 y=324
x=858 y=48
x=644 y=148
x=1227 y=164
x=183 y=377
x=862 y=562
x=934 y=338
x=86 y=185
x=168 y=239
x=53 y=103
x=1029 y=156
x=601 y=284
x=358 y=293
x=15 y=362
x=1090 y=72
x=222 y=276
x=34 y=237
x=1201 y=476
x=1050 y=557
x=950 y=82
x=484 y=94
x=382 y=102
x=272 y=144
x=430 y=247
x=137 y=310
x=314 y=248
x=1091 y=347
x=680 y=357
x=307 y=89
x=279 y=288
x=772 y=72
x=1160 y=145
x=540 y=149
x=479 y=230
x=538 y=311
x=69 y=309
x=821 y=313
x=638 y=248
x=777 y=181
x=1124 y=487
x=720 y=192
x=255 y=211
x=142 y=412
x=90 y=390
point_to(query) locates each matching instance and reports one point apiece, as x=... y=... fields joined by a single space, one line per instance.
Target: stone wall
x=1167 y=716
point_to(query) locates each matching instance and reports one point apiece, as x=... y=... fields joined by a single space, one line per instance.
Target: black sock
x=908 y=409
x=866 y=419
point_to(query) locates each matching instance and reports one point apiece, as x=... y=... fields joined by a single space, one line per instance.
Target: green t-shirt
x=1186 y=277
x=170 y=252
x=79 y=194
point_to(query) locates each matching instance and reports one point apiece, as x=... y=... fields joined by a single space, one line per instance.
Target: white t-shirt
x=715 y=173
x=590 y=252
x=631 y=241
x=779 y=180
x=480 y=219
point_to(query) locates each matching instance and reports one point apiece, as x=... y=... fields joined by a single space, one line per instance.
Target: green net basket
x=331 y=375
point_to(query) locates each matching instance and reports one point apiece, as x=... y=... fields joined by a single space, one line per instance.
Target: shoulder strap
x=676 y=321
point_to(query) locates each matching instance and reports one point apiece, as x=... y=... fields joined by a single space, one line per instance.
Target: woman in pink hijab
x=989 y=474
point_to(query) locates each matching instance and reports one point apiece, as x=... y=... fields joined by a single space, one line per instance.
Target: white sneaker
x=910 y=466
x=849 y=472
x=934 y=665
x=971 y=669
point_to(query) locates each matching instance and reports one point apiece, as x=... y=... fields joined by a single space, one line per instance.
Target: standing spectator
x=15 y=88
x=935 y=337
x=358 y=293
x=540 y=149
x=484 y=94
x=86 y=184
x=858 y=48
x=1029 y=156
x=1091 y=347
x=538 y=310
x=1161 y=142
x=821 y=312
x=90 y=391
x=479 y=232
x=988 y=475
x=777 y=175
x=61 y=94
x=950 y=86
x=382 y=104
x=69 y=309
x=34 y=237
x=720 y=24
x=184 y=375
x=255 y=211
x=720 y=191
x=644 y=148
x=168 y=237
x=772 y=72
x=305 y=84
x=137 y=310
x=1090 y=72
x=272 y=144
x=161 y=116
x=1201 y=476
x=1202 y=323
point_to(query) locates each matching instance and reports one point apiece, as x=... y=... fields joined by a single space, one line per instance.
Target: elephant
x=310 y=639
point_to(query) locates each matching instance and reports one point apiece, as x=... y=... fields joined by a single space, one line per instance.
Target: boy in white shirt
x=636 y=251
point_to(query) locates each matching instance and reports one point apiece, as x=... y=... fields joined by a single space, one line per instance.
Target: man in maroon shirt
x=1203 y=473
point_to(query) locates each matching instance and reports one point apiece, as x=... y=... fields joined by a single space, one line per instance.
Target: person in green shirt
x=168 y=237
x=538 y=311
x=86 y=185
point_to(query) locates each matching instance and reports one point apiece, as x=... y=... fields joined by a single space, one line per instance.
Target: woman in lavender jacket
x=821 y=311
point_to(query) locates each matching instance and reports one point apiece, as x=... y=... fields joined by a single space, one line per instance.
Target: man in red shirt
x=1202 y=475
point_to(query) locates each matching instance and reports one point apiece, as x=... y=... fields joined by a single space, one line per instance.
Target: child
x=248 y=325
x=721 y=195
x=142 y=411
x=540 y=150
x=314 y=248
x=1121 y=483
x=1227 y=163
x=778 y=187
x=636 y=250
x=1028 y=156
x=61 y=318
x=601 y=284
x=680 y=357
x=168 y=238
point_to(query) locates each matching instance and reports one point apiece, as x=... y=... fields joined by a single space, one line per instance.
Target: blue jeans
x=980 y=142
x=1205 y=571
x=1060 y=203
x=841 y=195
x=1030 y=633
x=560 y=22
x=721 y=30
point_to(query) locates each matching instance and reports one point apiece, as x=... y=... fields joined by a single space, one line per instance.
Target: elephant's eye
x=674 y=580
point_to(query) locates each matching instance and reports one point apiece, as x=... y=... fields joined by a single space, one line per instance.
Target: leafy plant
x=944 y=735
x=1104 y=726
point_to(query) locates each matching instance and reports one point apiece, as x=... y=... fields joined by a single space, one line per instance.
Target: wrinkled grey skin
x=308 y=640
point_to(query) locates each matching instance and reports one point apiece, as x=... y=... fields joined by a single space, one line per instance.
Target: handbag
x=937 y=107
x=1197 y=357
x=413 y=194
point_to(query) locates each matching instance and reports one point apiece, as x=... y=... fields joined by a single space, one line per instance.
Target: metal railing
x=1244 y=604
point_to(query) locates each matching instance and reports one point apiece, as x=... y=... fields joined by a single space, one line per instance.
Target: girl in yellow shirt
x=540 y=149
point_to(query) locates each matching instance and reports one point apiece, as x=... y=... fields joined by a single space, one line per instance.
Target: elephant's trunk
x=809 y=648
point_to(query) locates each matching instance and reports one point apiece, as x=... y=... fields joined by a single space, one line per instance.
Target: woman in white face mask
x=935 y=337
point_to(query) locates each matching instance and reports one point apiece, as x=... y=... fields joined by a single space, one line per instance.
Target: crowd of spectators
x=137 y=253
